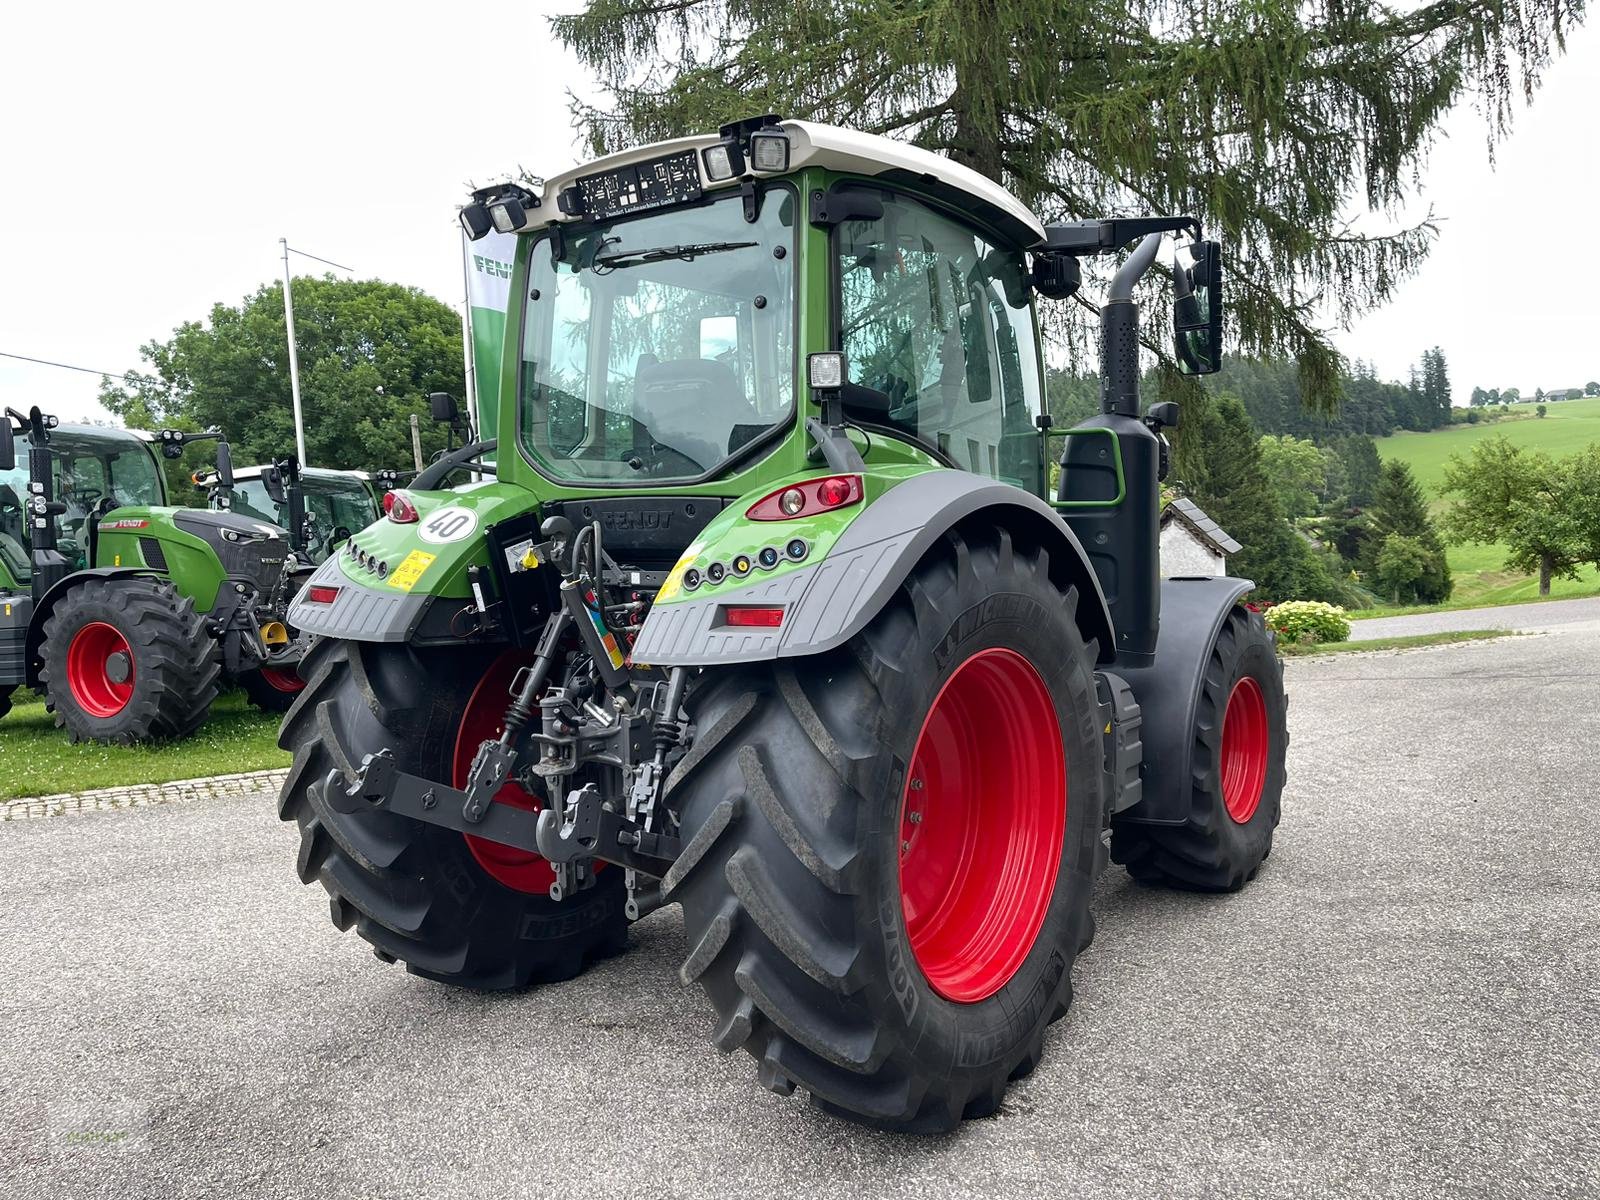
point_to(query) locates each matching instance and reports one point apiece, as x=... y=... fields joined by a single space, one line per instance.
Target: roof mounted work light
x=504 y=207
x=769 y=150
x=475 y=221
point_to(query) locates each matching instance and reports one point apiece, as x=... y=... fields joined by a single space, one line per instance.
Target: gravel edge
x=142 y=795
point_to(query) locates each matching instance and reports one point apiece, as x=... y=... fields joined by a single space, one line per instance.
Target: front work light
x=825 y=370
x=507 y=214
x=723 y=161
x=475 y=221
x=769 y=150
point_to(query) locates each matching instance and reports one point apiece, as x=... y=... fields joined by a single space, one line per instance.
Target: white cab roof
x=828 y=146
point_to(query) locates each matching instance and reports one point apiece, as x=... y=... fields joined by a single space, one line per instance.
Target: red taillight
x=399 y=507
x=807 y=498
x=745 y=617
x=319 y=593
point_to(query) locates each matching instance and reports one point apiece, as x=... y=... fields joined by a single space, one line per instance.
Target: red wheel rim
x=521 y=870
x=97 y=654
x=981 y=825
x=283 y=680
x=1245 y=746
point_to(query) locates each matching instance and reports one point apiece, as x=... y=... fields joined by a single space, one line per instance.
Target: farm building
x=1192 y=543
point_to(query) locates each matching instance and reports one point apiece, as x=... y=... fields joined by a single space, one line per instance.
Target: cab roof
x=836 y=149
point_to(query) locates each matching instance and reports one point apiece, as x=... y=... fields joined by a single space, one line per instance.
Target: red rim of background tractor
x=88 y=670
x=981 y=825
x=520 y=870
x=1246 y=746
x=283 y=680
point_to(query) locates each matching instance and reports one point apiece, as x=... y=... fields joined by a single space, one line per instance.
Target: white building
x=1192 y=543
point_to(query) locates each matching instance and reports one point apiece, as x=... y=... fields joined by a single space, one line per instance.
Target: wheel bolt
x=915 y=818
x=916 y=785
x=904 y=846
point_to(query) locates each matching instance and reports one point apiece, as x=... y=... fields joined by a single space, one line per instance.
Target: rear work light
x=319 y=593
x=807 y=498
x=746 y=617
x=400 y=508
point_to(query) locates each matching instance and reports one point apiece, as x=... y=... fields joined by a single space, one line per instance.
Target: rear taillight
x=740 y=616
x=319 y=593
x=807 y=498
x=399 y=507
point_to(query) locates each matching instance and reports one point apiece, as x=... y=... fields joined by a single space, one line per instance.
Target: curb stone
x=140 y=795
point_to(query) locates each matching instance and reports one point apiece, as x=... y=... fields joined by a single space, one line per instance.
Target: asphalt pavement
x=1579 y=616
x=1404 y=1004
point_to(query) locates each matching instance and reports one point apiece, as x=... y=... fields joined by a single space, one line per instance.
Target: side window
x=937 y=322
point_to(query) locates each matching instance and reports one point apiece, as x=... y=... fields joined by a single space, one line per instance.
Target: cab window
x=937 y=323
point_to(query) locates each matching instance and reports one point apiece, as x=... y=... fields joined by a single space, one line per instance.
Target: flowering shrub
x=1308 y=621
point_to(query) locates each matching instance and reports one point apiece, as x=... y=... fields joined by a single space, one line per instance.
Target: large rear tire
x=1241 y=742
x=451 y=909
x=889 y=849
x=128 y=660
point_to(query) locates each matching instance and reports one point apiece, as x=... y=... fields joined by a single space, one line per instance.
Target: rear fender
x=1168 y=692
x=831 y=596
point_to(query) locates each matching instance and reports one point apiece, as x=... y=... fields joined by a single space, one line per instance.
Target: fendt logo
x=654 y=518
x=491 y=266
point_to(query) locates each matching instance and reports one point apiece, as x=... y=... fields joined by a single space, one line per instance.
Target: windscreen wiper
x=633 y=258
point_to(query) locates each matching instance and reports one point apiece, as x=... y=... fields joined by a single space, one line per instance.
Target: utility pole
x=416 y=441
x=294 y=359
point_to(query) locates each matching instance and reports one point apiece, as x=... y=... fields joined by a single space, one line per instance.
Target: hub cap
x=981 y=825
x=283 y=679
x=1245 y=746
x=100 y=670
x=521 y=870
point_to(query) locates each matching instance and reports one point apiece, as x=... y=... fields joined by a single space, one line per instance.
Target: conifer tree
x=1401 y=508
x=1264 y=118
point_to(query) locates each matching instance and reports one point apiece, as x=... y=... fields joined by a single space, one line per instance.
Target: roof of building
x=1193 y=518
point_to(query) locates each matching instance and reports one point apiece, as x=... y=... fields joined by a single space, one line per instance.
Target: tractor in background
x=126 y=612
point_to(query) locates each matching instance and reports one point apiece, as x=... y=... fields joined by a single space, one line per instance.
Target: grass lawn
x=36 y=759
x=1481 y=579
x=1293 y=650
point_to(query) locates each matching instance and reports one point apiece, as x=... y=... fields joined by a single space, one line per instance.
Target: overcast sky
x=153 y=155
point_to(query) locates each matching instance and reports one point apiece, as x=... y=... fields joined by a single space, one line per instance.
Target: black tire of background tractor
x=1211 y=852
x=175 y=660
x=790 y=802
x=263 y=695
x=414 y=890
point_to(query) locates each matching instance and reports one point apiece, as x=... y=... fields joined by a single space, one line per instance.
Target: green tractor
x=128 y=613
x=768 y=613
x=332 y=504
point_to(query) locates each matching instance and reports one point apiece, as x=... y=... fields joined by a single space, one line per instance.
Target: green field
x=1480 y=577
x=36 y=759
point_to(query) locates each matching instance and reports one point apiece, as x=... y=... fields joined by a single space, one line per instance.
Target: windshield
x=657 y=347
x=334 y=504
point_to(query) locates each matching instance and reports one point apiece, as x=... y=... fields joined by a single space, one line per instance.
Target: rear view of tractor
x=129 y=613
x=769 y=612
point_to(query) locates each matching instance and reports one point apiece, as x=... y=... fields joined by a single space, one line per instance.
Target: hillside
x=1567 y=426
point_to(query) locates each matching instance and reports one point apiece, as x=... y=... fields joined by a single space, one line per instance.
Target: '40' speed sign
x=448 y=525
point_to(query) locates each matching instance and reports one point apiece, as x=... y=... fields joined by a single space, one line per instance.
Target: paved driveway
x=1403 y=1005
x=1576 y=616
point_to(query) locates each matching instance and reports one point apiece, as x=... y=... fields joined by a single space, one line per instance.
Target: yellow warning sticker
x=410 y=570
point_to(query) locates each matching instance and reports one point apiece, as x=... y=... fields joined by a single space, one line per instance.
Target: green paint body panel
x=446 y=573
x=192 y=564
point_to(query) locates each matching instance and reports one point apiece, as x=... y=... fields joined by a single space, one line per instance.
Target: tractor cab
x=336 y=503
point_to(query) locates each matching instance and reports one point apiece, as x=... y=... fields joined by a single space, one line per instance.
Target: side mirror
x=224 y=465
x=272 y=481
x=443 y=407
x=1197 y=308
x=8 y=445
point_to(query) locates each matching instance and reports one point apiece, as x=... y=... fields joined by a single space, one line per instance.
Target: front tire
x=128 y=660
x=1241 y=742
x=452 y=909
x=903 y=969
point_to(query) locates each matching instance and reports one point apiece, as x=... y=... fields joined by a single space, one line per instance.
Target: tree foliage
x=1542 y=508
x=370 y=353
x=1265 y=118
x=1400 y=507
x=1296 y=471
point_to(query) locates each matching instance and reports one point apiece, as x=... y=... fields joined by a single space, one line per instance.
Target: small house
x=1192 y=543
